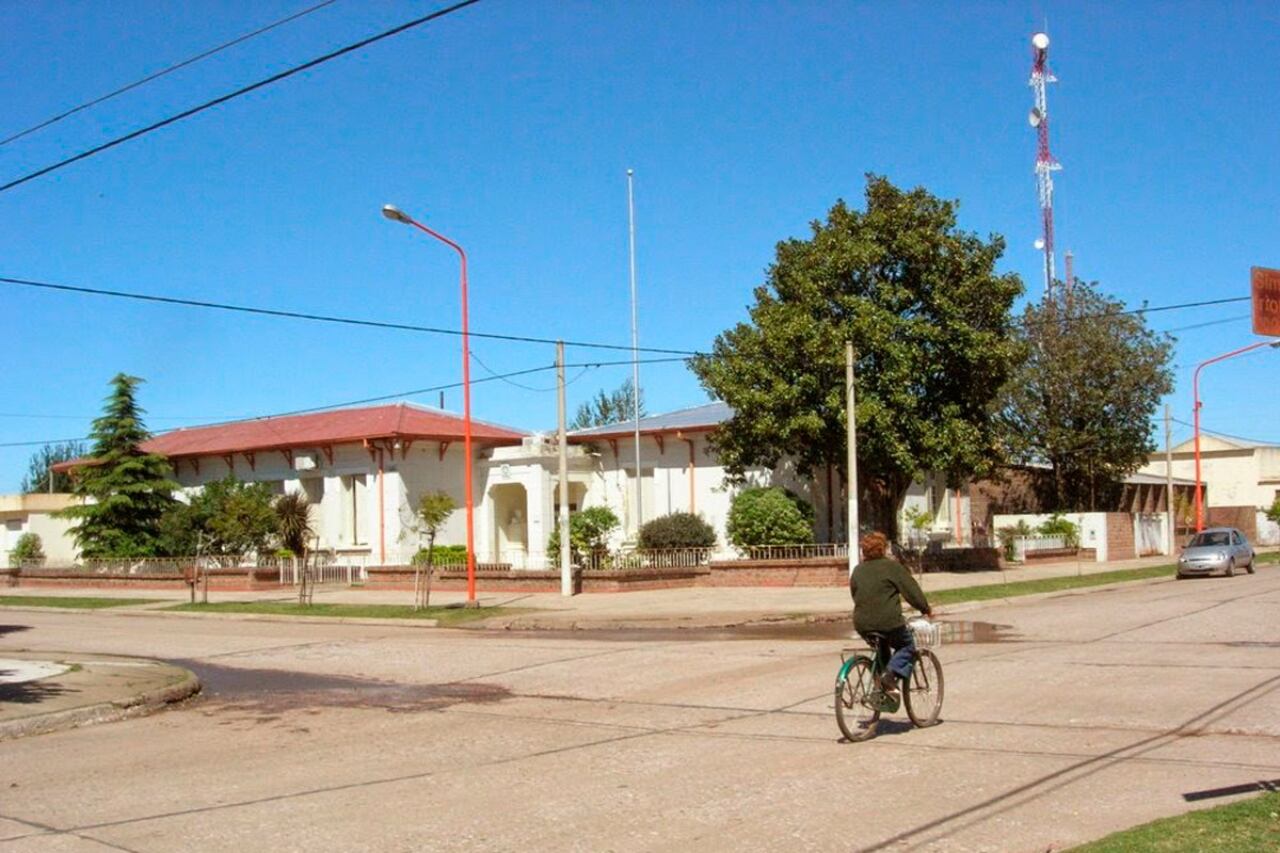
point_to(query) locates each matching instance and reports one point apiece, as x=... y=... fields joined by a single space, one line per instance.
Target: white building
x=1235 y=473
x=365 y=469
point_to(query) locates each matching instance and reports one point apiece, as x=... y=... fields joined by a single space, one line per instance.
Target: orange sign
x=1266 y=301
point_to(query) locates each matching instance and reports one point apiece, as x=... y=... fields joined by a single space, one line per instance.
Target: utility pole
x=635 y=344
x=851 y=481
x=1168 y=482
x=566 y=570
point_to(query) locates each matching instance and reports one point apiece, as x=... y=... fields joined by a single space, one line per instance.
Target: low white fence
x=1024 y=545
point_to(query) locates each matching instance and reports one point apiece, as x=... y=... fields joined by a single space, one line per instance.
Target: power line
x=161 y=73
x=1235 y=319
x=1100 y=315
x=378 y=399
x=323 y=318
x=1224 y=434
x=244 y=90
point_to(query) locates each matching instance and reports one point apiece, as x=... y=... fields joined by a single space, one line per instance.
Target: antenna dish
x=1039 y=244
x=1040 y=41
x=1035 y=117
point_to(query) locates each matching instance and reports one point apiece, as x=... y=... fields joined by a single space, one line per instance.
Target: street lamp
x=1195 y=392
x=398 y=215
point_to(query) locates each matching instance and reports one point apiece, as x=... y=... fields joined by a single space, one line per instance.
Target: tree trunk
x=426 y=588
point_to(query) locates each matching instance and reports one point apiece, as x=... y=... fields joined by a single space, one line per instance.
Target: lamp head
x=1040 y=41
x=1035 y=117
x=1039 y=244
x=392 y=212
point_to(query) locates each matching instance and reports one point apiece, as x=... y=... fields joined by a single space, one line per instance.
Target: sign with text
x=1266 y=301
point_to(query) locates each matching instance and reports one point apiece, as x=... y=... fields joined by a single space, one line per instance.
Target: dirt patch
x=268 y=693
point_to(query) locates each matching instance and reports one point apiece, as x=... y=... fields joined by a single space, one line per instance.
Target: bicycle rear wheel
x=855 y=712
x=922 y=692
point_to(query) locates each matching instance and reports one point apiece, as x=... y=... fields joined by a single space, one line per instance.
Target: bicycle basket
x=926 y=634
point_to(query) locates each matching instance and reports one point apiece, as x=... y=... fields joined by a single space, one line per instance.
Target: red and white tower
x=1046 y=165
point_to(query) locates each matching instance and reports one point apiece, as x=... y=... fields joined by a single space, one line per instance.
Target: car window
x=1216 y=538
x=1235 y=538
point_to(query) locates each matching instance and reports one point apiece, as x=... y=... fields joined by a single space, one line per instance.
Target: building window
x=313 y=488
x=355 y=507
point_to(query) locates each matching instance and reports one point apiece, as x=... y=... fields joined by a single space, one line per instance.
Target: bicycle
x=859 y=699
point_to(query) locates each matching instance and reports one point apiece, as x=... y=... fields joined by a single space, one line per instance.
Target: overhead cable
x=378 y=399
x=324 y=318
x=244 y=90
x=162 y=72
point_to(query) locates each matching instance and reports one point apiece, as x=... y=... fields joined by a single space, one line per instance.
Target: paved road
x=1092 y=712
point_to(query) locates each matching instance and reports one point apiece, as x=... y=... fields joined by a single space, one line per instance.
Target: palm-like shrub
x=293 y=520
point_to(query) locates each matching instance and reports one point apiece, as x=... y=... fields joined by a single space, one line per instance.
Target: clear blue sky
x=509 y=127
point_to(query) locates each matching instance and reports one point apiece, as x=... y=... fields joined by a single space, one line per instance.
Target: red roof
x=342 y=426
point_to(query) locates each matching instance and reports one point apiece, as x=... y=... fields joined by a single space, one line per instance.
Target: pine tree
x=123 y=490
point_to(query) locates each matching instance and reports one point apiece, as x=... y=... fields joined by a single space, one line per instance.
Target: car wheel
x=1180 y=576
x=1231 y=567
x=1253 y=558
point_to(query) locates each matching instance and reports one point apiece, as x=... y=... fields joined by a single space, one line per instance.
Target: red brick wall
x=1120 y=544
x=1242 y=518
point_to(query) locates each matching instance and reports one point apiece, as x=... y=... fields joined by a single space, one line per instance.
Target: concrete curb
x=137 y=705
x=304 y=620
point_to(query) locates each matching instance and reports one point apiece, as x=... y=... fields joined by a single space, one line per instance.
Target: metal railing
x=796 y=552
x=632 y=559
x=149 y=565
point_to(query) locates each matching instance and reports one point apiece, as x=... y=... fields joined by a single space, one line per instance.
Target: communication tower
x=1046 y=165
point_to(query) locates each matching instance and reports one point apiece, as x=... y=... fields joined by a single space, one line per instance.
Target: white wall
x=21 y=514
x=374 y=524
x=1092 y=527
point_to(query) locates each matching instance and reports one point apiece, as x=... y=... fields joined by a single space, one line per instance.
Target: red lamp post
x=1195 y=391
x=394 y=213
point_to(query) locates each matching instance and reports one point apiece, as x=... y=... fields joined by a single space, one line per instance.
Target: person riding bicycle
x=878 y=584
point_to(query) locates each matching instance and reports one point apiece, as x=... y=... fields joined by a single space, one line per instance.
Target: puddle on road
x=268 y=693
x=784 y=630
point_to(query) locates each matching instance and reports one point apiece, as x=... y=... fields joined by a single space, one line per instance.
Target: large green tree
x=41 y=477
x=609 y=408
x=225 y=517
x=930 y=322
x=124 y=491
x=1083 y=400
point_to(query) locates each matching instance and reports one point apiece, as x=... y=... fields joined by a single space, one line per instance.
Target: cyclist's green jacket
x=878 y=587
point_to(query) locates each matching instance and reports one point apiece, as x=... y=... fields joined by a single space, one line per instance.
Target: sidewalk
x=671 y=608
x=44 y=692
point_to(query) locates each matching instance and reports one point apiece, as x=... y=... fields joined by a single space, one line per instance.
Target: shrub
x=29 y=549
x=677 y=530
x=1274 y=512
x=589 y=532
x=444 y=555
x=769 y=516
x=1057 y=525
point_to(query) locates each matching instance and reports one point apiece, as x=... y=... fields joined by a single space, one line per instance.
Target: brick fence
x=806 y=572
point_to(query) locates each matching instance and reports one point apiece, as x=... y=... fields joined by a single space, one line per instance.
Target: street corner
x=42 y=692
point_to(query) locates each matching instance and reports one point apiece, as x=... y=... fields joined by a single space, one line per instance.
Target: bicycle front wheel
x=922 y=692
x=856 y=712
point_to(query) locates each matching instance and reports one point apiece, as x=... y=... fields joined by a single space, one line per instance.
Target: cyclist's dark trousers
x=903 y=647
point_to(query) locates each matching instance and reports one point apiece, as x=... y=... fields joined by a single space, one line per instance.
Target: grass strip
x=1247 y=825
x=67 y=601
x=445 y=615
x=1030 y=587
